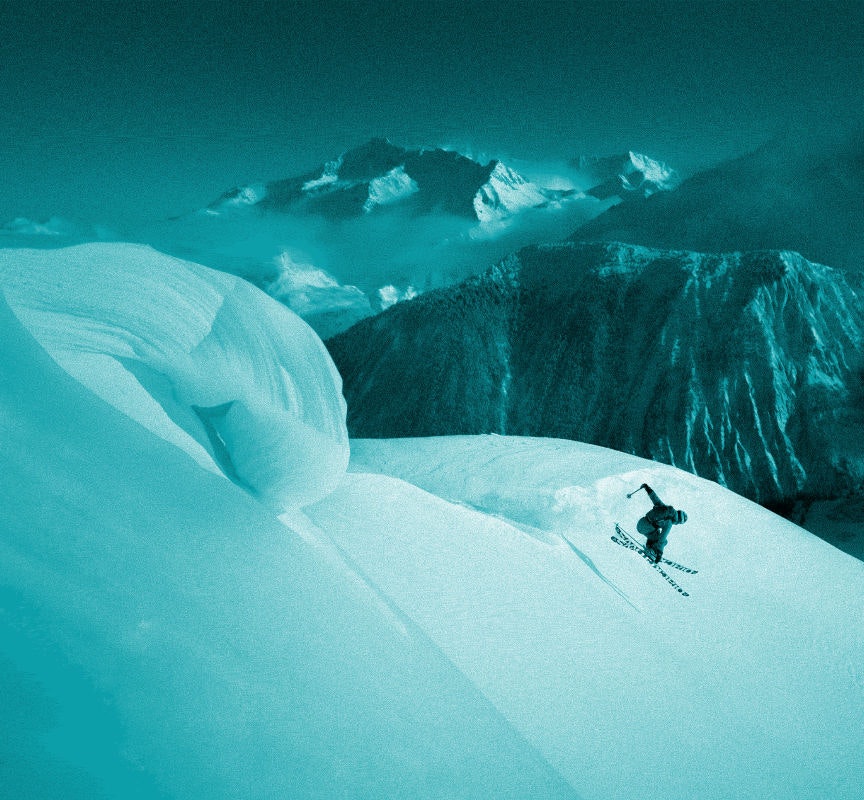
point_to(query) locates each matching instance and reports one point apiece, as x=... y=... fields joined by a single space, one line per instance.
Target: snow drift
x=202 y=359
x=162 y=635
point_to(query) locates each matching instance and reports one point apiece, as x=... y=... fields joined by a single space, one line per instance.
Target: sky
x=126 y=110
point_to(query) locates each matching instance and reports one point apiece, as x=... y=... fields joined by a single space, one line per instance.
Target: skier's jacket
x=662 y=513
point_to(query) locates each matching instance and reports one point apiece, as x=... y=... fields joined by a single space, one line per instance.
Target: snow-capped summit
x=742 y=367
x=370 y=160
x=379 y=173
x=506 y=193
x=628 y=176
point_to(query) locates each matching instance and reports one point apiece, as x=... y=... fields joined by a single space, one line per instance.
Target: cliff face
x=745 y=368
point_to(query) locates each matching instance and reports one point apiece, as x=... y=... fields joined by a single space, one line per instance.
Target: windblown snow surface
x=452 y=620
x=198 y=357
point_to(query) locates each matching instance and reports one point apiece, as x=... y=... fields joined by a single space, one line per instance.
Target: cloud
x=390 y=295
x=53 y=231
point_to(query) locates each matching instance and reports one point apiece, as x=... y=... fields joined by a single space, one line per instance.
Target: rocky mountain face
x=745 y=368
x=379 y=173
x=783 y=196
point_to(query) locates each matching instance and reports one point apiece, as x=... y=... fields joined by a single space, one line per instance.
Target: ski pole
x=634 y=492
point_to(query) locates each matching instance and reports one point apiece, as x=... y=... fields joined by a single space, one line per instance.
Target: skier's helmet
x=681 y=517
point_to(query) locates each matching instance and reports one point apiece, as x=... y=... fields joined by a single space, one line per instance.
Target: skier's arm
x=653 y=495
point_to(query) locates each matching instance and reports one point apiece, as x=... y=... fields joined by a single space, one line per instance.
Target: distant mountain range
x=376 y=224
x=382 y=222
x=379 y=174
x=746 y=368
x=783 y=196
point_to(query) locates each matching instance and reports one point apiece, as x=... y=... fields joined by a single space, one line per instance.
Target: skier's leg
x=651 y=545
x=662 y=537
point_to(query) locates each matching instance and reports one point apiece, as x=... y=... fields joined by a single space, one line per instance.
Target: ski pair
x=673 y=564
x=630 y=543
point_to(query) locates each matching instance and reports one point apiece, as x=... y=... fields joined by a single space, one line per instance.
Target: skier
x=655 y=525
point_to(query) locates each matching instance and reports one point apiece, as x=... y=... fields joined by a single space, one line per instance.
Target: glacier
x=449 y=619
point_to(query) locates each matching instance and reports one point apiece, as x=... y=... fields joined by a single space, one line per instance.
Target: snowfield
x=448 y=619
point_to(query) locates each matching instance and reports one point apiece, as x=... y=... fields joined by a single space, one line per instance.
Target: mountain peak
x=370 y=160
x=627 y=176
x=379 y=173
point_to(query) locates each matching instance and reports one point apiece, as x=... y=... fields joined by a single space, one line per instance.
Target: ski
x=668 y=578
x=673 y=564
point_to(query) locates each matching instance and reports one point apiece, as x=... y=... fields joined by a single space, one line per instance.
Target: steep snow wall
x=162 y=635
x=743 y=368
x=202 y=359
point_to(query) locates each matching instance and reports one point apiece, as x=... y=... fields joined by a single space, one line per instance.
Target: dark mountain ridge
x=745 y=368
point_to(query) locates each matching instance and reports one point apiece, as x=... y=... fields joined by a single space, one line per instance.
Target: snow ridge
x=202 y=359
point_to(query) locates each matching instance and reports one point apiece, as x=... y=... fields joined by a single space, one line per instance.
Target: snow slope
x=452 y=620
x=500 y=548
x=201 y=358
x=163 y=635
